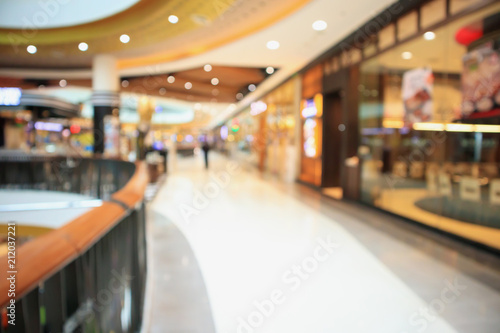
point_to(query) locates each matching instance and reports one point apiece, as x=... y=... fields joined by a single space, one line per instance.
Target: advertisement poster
x=311 y=138
x=417 y=95
x=480 y=81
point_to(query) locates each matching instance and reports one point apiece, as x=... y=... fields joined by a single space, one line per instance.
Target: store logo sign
x=51 y=127
x=310 y=110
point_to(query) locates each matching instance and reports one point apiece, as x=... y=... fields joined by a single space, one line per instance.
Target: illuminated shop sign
x=51 y=127
x=224 y=132
x=158 y=145
x=257 y=108
x=310 y=110
x=312 y=107
x=10 y=96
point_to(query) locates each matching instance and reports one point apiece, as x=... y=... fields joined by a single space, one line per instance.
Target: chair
x=445 y=184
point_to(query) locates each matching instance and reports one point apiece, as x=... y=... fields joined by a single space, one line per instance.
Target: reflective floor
x=277 y=258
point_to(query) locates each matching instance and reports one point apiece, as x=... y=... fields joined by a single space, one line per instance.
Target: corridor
x=247 y=253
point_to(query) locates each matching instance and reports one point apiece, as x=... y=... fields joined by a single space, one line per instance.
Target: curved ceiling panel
x=57 y=13
x=202 y=25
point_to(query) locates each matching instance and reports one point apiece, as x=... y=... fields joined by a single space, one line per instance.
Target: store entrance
x=332 y=146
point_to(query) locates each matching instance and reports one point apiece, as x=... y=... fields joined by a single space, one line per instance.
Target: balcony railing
x=90 y=274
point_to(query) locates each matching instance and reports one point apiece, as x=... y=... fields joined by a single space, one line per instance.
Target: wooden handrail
x=133 y=191
x=42 y=257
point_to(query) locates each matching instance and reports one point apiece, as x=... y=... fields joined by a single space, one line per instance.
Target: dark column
x=141 y=147
x=105 y=102
x=2 y=132
x=341 y=107
x=99 y=113
x=105 y=97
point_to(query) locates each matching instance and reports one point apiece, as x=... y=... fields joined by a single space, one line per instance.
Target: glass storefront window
x=426 y=153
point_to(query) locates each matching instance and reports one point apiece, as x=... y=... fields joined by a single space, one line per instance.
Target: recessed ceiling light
x=124 y=39
x=162 y=91
x=31 y=49
x=63 y=83
x=215 y=81
x=173 y=19
x=252 y=87
x=170 y=79
x=207 y=68
x=83 y=47
x=319 y=25
x=269 y=70
x=273 y=45
x=125 y=83
x=239 y=96
x=429 y=35
x=188 y=85
x=407 y=55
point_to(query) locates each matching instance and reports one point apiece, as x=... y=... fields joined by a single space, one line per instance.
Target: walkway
x=274 y=258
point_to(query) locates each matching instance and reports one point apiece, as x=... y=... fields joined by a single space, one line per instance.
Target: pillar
x=145 y=109
x=105 y=96
x=2 y=132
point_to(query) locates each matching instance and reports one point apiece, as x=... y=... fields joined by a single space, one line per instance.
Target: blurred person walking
x=206 y=148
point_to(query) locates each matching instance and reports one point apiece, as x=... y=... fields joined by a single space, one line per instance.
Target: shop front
x=311 y=115
x=281 y=142
x=429 y=119
x=264 y=135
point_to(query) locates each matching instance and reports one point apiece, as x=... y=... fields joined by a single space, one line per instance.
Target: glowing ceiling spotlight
x=124 y=39
x=31 y=49
x=83 y=46
x=273 y=45
x=319 y=25
x=173 y=19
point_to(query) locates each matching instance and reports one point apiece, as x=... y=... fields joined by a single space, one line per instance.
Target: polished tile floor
x=275 y=258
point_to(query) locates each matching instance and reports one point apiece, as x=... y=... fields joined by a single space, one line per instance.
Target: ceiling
x=230 y=81
x=202 y=25
x=57 y=14
x=229 y=35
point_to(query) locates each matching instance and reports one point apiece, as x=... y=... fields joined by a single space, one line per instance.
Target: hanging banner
x=417 y=95
x=480 y=82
